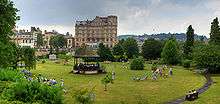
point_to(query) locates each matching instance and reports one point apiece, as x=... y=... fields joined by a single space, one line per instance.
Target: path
x=200 y=90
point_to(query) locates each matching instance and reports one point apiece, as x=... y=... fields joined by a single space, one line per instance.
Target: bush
x=186 y=63
x=137 y=64
x=10 y=102
x=84 y=96
x=9 y=75
x=33 y=91
x=43 y=61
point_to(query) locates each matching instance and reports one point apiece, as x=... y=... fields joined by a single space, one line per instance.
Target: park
x=60 y=69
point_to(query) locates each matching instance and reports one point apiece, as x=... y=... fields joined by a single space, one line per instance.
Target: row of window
x=107 y=45
x=98 y=27
x=95 y=40
x=96 y=31
x=27 y=41
x=96 y=35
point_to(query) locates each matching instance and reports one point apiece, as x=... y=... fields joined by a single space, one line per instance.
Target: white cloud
x=135 y=16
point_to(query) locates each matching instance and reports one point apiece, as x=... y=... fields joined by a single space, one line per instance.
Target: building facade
x=24 y=38
x=99 y=30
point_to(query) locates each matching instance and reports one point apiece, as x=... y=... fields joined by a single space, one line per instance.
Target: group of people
x=161 y=72
x=41 y=79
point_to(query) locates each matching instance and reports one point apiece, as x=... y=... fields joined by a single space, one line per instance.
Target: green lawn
x=124 y=90
x=212 y=95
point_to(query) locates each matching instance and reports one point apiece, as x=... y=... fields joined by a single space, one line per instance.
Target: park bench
x=192 y=96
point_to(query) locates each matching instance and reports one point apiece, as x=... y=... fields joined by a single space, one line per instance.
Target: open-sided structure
x=90 y=65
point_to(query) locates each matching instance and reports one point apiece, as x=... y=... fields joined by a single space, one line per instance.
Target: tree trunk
x=105 y=87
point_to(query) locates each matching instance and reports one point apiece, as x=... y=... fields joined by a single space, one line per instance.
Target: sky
x=134 y=16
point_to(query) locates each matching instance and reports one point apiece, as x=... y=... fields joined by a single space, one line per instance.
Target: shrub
x=186 y=63
x=84 y=96
x=33 y=91
x=137 y=64
x=9 y=75
x=43 y=61
x=10 y=102
x=106 y=80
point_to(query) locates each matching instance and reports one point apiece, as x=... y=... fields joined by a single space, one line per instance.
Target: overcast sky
x=134 y=16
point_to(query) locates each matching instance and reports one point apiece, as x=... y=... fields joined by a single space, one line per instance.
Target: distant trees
x=58 y=41
x=170 y=53
x=40 y=41
x=215 y=32
x=131 y=48
x=188 y=45
x=151 y=49
x=105 y=53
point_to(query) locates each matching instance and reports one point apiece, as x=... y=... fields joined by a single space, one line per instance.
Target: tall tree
x=188 y=45
x=8 y=18
x=215 y=32
x=207 y=56
x=170 y=53
x=151 y=49
x=104 y=53
x=40 y=41
x=131 y=47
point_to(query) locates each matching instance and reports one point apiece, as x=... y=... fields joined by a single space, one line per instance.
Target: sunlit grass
x=212 y=95
x=124 y=89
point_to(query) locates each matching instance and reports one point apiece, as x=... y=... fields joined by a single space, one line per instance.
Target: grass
x=124 y=89
x=212 y=95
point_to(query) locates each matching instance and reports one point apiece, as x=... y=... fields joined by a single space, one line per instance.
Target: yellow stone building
x=99 y=30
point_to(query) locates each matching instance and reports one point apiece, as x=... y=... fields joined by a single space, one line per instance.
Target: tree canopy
x=40 y=41
x=215 y=32
x=131 y=47
x=58 y=41
x=170 y=53
x=207 y=56
x=188 y=45
x=104 y=53
x=118 y=50
x=151 y=49
x=8 y=18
